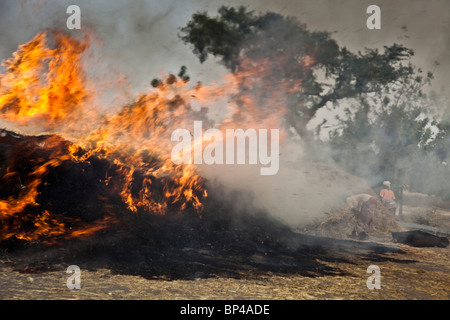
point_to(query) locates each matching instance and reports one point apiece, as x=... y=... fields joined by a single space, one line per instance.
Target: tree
x=292 y=55
x=394 y=135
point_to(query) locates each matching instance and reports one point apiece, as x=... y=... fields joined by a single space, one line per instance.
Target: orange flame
x=47 y=86
x=43 y=83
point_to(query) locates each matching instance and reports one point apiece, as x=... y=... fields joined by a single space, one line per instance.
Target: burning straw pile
x=52 y=190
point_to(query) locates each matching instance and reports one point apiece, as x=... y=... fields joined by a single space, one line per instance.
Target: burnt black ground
x=188 y=247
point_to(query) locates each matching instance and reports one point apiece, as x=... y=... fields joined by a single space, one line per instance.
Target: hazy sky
x=141 y=36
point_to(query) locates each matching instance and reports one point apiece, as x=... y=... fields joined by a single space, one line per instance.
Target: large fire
x=44 y=87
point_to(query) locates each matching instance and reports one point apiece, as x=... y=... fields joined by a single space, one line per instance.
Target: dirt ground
x=416 y=273
x=406 y=273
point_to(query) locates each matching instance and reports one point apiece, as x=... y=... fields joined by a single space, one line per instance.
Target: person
x=388 y=197
x=363 y=206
